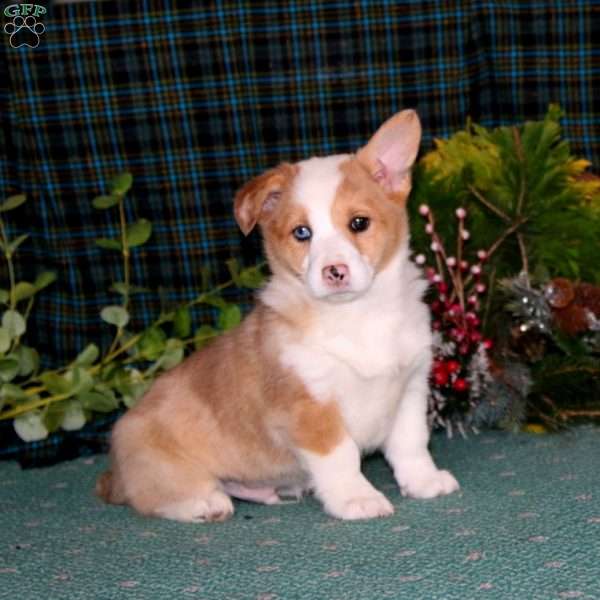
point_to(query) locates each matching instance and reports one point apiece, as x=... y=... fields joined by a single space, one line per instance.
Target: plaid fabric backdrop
x=195 y=98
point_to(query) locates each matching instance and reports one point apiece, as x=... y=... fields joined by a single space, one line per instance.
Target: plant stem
x=126 y=253
x=459 y=283
x=500 y=241
x=17 y=340
x=520 y=201
x=25 y=408
x=11 y=269
x=488 y=204
x=488 y=301
x=524 y=259
x=126 y=277
x=567 y=414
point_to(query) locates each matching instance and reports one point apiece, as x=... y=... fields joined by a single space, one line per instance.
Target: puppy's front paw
x=428 y=484
x=363 y=506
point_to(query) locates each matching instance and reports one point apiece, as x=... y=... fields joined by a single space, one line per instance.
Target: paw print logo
x=24 y=31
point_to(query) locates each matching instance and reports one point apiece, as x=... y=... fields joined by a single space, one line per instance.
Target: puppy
x=333 y=361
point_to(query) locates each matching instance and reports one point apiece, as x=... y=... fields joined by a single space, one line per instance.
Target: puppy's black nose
x=336 y=275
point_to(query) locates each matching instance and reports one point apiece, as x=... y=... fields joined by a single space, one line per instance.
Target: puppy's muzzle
x=336 y=277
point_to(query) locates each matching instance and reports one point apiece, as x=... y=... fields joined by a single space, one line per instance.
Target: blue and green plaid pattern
x=193 y=98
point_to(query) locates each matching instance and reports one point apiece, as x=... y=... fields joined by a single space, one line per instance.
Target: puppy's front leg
x=406 y=447
x=332 y=460
x=340 y=485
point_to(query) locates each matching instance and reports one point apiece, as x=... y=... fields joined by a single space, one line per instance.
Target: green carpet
x=526 y=525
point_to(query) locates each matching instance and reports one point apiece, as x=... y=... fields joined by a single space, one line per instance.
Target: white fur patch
x=315 y=188
x=363 y=352
x=340 y=485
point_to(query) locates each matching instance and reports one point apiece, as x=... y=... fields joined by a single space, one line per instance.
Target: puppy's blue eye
x=302 y=233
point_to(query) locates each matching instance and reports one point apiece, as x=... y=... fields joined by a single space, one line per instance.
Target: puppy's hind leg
x=213 y=505
x=179 y=490
x=161 y=479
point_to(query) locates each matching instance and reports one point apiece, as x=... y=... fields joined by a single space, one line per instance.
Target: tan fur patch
x=229 y=412
x=283 y=250
x=257 y=199
x=359 y=195
x=317 y=427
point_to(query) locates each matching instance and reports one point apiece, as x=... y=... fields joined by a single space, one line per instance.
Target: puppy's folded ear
x=391 y=152
x=259 y=197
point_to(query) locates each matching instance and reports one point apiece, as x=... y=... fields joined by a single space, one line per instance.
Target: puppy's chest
x=363 y=366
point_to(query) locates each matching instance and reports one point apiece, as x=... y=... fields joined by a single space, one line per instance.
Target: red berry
x=460 y=385
x=457 y=334
x=452 y=366
x=454 y=309
x=440 y=378
x=488 y=344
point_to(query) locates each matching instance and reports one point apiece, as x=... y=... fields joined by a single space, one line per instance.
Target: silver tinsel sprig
x=528 y=305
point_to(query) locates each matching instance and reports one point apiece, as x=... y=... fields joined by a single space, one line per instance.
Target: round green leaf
x=12 y=393
x=138 y=233
x=44 y=279
x=80 y=380
x=29 y=359
x=230 y=316
x=98 y=401
x=120 y=287
x=130 y=400
x=30 y=427
x=182 y=321
x=9 y=367
x=152 y=343
x=127 y=290
x=56 y=384
x=172 y=355
x=115 y=315
x=251 y=277
x=121 y=183
x=14 y=323
x=23 y=290
x=12 y=202
x=53 y=415
x=109 y=244
x=4 y=340
x=74 y=417
x=104 y=202
x=203 y=335
x=88 y=356
x=12 y=246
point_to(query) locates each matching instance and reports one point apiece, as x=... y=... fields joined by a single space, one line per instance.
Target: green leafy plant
x=94 y=382
x=528 y=199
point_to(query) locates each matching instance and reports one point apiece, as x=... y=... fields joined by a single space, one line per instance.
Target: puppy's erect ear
x=391 y=152
x=260 y=196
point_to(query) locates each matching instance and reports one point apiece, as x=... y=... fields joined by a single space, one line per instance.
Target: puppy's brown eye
x=359 y=224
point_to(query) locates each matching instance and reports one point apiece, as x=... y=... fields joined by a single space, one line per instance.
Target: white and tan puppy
x=333 y=361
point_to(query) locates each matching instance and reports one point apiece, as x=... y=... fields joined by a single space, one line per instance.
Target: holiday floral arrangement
x=506 y=224
x=515 y=300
